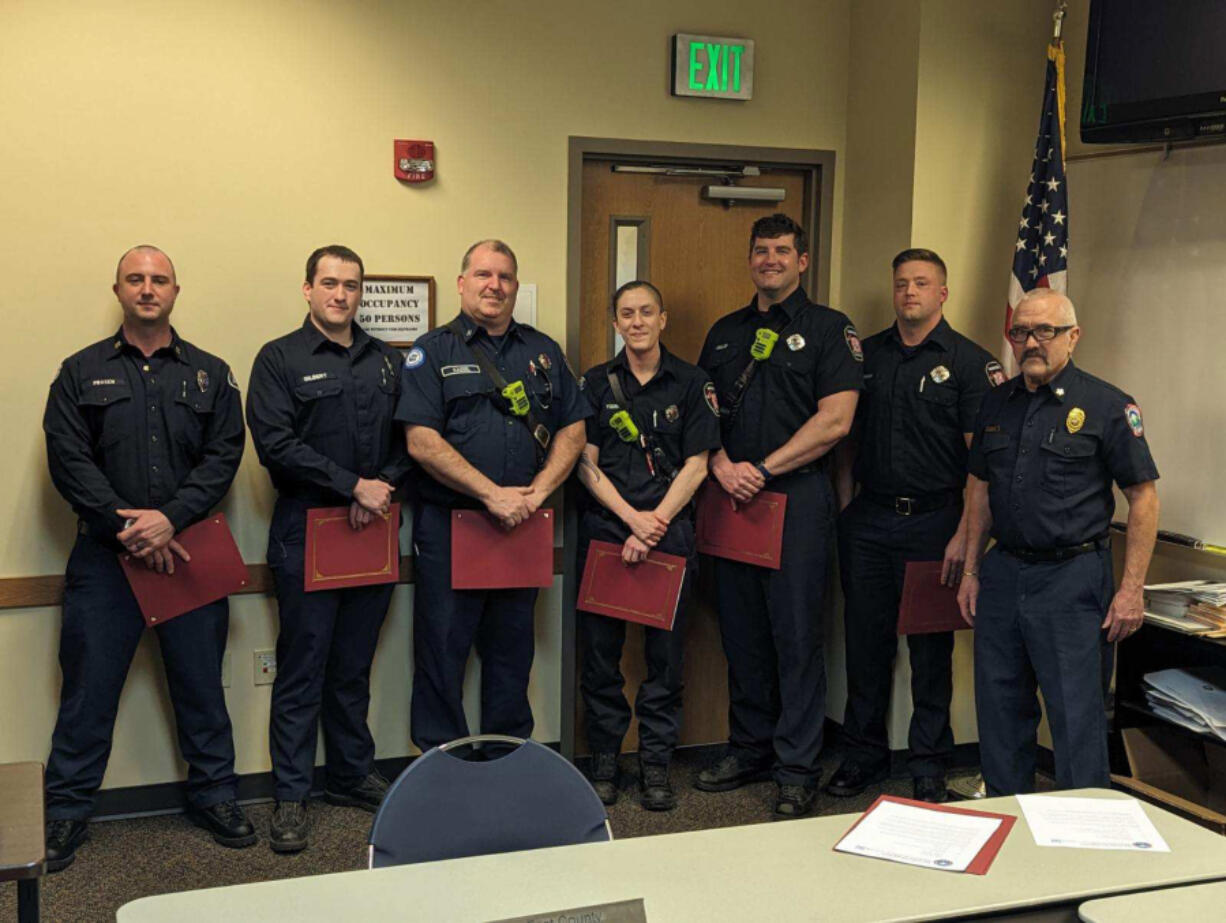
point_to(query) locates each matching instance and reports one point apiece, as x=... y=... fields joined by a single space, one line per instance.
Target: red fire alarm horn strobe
x=414 y=161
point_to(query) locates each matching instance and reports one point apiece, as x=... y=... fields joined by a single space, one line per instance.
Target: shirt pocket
x=940 y=400
x=193 y=413
x=321 y=409
x=108 y=408
x=1067 y=464
x=466 y=397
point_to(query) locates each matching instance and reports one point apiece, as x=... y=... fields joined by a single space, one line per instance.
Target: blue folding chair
x=444 y=807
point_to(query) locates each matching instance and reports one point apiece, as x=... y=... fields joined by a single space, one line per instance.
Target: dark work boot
x=227 y=822
x=288 y=831
x=605 y=776
x=730 y=772
x=367 y=794
x=63 y=838
x=657 y=792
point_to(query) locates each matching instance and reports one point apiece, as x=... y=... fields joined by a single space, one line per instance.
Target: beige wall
x=238 y=137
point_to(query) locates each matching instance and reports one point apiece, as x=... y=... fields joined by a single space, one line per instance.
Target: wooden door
x=660 y=228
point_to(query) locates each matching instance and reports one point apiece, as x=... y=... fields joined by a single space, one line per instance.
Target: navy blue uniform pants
x=772 y=628
x=325 y=648
x=102 y=626
x=1039 y=624
x=447 y=624
x=875 y=544
x=658 y=703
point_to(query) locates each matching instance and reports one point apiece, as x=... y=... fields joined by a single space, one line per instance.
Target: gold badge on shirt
x=1075 y=420
x=940 y=374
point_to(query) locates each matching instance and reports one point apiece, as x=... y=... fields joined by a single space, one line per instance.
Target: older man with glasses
x=1047 y=447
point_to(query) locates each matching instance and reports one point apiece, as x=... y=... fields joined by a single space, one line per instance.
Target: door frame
x=821 y=232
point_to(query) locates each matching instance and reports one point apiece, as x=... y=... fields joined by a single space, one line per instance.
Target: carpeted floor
x=127 y=859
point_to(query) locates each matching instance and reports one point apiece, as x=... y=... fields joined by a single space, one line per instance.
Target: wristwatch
x=765 y=471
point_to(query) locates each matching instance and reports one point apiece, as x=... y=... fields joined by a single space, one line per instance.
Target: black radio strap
x=657 y=462
x=729 y=408
x=540 y=434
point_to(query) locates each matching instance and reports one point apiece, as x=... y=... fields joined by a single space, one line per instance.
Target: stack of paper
x=1195 y=698
x=1192 y=606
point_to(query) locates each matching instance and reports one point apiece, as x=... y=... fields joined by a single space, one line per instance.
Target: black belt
x=1049 y=555
x=909 y=506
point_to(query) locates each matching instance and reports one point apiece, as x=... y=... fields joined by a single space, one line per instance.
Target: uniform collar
x=473 y=330
x=1060 y=386
x=940 y=336
x=315 y=339
x=668 y=363
x=178 y=348
x=791 y=305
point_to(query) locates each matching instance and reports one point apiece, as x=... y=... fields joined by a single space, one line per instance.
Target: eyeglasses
x=1042 y=333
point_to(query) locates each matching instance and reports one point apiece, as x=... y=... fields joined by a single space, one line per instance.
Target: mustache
x=1032 y=354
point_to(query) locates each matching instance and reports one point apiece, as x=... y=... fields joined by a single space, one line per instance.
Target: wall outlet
x=265 y=667
x=225 y=670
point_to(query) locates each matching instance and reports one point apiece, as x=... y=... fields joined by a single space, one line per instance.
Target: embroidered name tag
x=103 y=381
x=315 y=377
x=448 y=370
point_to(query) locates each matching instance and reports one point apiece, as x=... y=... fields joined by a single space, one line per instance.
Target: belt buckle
x=902 y=506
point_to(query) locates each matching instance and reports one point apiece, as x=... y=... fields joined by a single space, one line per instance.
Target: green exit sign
x=711 y=65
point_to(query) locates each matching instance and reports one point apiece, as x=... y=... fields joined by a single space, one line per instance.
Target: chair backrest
x=443 y=807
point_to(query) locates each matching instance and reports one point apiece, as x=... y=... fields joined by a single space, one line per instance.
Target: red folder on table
x=752 y=533
x=647 y=592
x=983 y=859
x=485 y=556
x=215 y=571
x=927 y=604
x=340 y=556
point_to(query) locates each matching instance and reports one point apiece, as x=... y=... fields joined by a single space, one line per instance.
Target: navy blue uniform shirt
x=1049 y=458
x=321 y=414
x=129 y=432
x=674 y=406
x=444 y=389
x=818 y=353
x=917 y=406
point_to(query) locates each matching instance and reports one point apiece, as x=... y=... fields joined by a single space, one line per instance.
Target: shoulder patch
x=853 y=342
x=1132 y=413
x=709 y=395
x=582 y=382
x=231 y=380
x=995 y=373
x=414 y=357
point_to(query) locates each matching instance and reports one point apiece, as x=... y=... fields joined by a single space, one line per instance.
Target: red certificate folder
x=339 y=556
x=983 y=860
x=215 y=571
x=646 y=592
x=927 y=605
x=752 y=533
x=485 y=556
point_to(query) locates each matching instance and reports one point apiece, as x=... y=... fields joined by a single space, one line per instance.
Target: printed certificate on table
x=1091 y=823
x=914 y=834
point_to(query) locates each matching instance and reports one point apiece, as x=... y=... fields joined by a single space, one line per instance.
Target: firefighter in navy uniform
x=494 y=417
x=647 y=447
x=923 y=383
x=320 y=410
x=1048 y=445
x=144 y=436
x=788 y=375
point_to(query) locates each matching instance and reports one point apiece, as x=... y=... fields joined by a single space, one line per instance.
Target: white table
x=1195 y=904
x=784 y=871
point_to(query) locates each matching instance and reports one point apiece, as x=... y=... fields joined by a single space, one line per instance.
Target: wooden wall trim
x=48 y=589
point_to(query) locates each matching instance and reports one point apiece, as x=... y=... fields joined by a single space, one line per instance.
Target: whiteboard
x=1147 y=273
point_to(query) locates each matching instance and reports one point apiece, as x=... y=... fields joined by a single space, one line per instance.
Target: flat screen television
x=1155 y=71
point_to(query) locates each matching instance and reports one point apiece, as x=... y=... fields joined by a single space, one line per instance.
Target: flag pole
x=1058 y=20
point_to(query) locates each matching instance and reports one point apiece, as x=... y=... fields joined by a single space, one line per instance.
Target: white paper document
x=1090 y=823
x=919 y=836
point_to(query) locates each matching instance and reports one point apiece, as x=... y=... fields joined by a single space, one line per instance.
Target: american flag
x=1040 y=253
